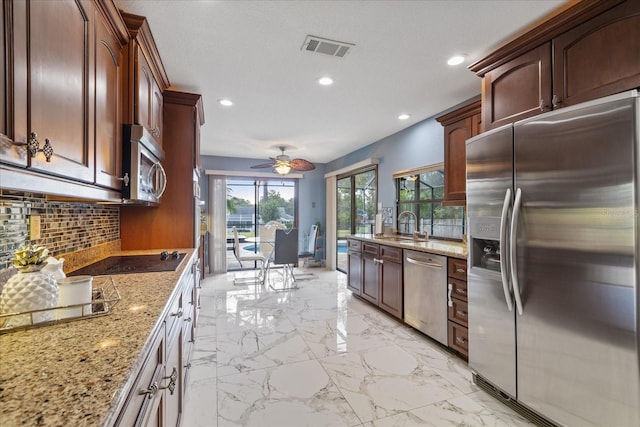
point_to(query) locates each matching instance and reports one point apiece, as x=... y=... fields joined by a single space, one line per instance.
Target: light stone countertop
x=433 y=246
x=74 y=373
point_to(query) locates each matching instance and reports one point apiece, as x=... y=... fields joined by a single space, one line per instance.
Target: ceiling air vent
x=326 y=46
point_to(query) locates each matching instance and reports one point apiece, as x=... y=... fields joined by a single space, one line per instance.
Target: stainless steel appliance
x=556 y=325
x=425 y=293
x=144 y=177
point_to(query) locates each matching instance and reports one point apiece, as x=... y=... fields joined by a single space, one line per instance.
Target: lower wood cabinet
x=354 y=266
x=375 y=274
x=457 y=302
x=158 y=394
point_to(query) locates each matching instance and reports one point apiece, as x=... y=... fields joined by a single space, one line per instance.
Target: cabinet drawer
x=458 y=311
x=370 y=248
x=354 y=245
x=458 y=268
x=390 y=253
x=176 y=313
x=459 y=338
x=458 y=288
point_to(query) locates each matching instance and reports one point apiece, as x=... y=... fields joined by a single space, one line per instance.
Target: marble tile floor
x=317 y=356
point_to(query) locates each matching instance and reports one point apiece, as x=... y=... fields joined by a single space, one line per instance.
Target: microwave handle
x=159 y=178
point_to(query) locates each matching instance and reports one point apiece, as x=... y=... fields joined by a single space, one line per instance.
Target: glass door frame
x=355 y=218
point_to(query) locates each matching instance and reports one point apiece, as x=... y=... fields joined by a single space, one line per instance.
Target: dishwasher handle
x=422 y=263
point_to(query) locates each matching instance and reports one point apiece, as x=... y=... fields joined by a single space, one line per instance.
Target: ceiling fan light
x=282 y=169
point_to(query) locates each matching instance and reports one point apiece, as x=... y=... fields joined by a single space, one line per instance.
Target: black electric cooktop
x=125 y=264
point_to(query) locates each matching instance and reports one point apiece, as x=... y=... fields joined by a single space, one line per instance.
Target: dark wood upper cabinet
x=519 y=89
x=598 y=58
x=146 y=78
x=108 y=102
x=59 y=98
x=583 y=51
x=459 y=125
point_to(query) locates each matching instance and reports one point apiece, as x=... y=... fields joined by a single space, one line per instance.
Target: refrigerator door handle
x=503 y=249
x=512 y=250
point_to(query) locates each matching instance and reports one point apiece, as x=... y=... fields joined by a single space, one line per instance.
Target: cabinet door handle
x=461 y=340
x=188 y=365
x=543 y=105
x=178 y=313
x=33 y=146
x=555 y=101
x=153 y=388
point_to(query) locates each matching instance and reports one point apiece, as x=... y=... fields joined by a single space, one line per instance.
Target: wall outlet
x=34 y=227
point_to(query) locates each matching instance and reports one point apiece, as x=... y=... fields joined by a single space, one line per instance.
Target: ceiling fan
x=282 y=164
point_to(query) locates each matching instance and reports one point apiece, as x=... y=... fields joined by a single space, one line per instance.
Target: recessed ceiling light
x=455 y=60
x=325 y=81
x=404 y=116
x=226 y=102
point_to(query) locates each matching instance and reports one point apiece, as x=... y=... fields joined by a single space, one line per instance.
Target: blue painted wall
x=419 y=145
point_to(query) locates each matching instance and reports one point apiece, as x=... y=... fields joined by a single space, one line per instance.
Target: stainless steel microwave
x=144 y=178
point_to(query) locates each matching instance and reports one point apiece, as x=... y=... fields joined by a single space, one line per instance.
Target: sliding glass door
x=356 y=204
x=251 y=203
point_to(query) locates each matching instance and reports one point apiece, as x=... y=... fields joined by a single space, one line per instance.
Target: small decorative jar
x=30 y=289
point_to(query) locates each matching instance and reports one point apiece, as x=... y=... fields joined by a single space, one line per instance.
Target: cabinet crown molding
x=461 y=113
x=555 y=23
x=139 y=30
x=185 y=98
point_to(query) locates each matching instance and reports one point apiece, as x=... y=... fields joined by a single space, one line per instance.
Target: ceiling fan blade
x=302 y=165
x=264 y=165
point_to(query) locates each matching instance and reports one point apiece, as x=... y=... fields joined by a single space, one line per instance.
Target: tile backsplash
x=64 y=226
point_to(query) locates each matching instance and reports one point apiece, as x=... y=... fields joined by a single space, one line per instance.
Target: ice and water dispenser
x=485 y=243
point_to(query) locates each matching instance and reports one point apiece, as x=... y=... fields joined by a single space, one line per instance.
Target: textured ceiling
x=250 y=52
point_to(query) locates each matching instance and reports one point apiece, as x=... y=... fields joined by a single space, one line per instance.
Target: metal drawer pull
x=188 y=365
x=179 y=313
x=461 y=340
x=461 y=313
x=422 y=263
x=188 y=319
x=449 y=302
x=461 y=291
x=460 y=270
x=151 y=390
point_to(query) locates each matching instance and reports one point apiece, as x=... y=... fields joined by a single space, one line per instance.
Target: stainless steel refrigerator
x=553 y=254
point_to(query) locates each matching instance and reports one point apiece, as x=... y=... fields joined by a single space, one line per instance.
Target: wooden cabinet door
x=148 y=102
x=391 y=295
x=354 y=272
x=598 y=58
x=60 y=59
x=370 y=278
x=144 y=91
x=518 y=89
x=108 y=85
x=156 y=112
x=455 y=177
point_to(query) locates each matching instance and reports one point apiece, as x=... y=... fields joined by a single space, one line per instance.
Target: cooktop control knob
x=164 y=255
x=175 y=255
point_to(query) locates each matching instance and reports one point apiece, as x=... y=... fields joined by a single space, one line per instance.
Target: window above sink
x=419 y=196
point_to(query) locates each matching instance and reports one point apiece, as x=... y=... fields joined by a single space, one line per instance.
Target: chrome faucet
x=408 y=223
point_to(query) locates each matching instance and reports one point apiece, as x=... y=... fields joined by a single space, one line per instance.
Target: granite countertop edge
x=80 y=372
x=432 y=246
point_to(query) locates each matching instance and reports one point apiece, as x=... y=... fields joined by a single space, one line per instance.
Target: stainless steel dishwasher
x=425 y=293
